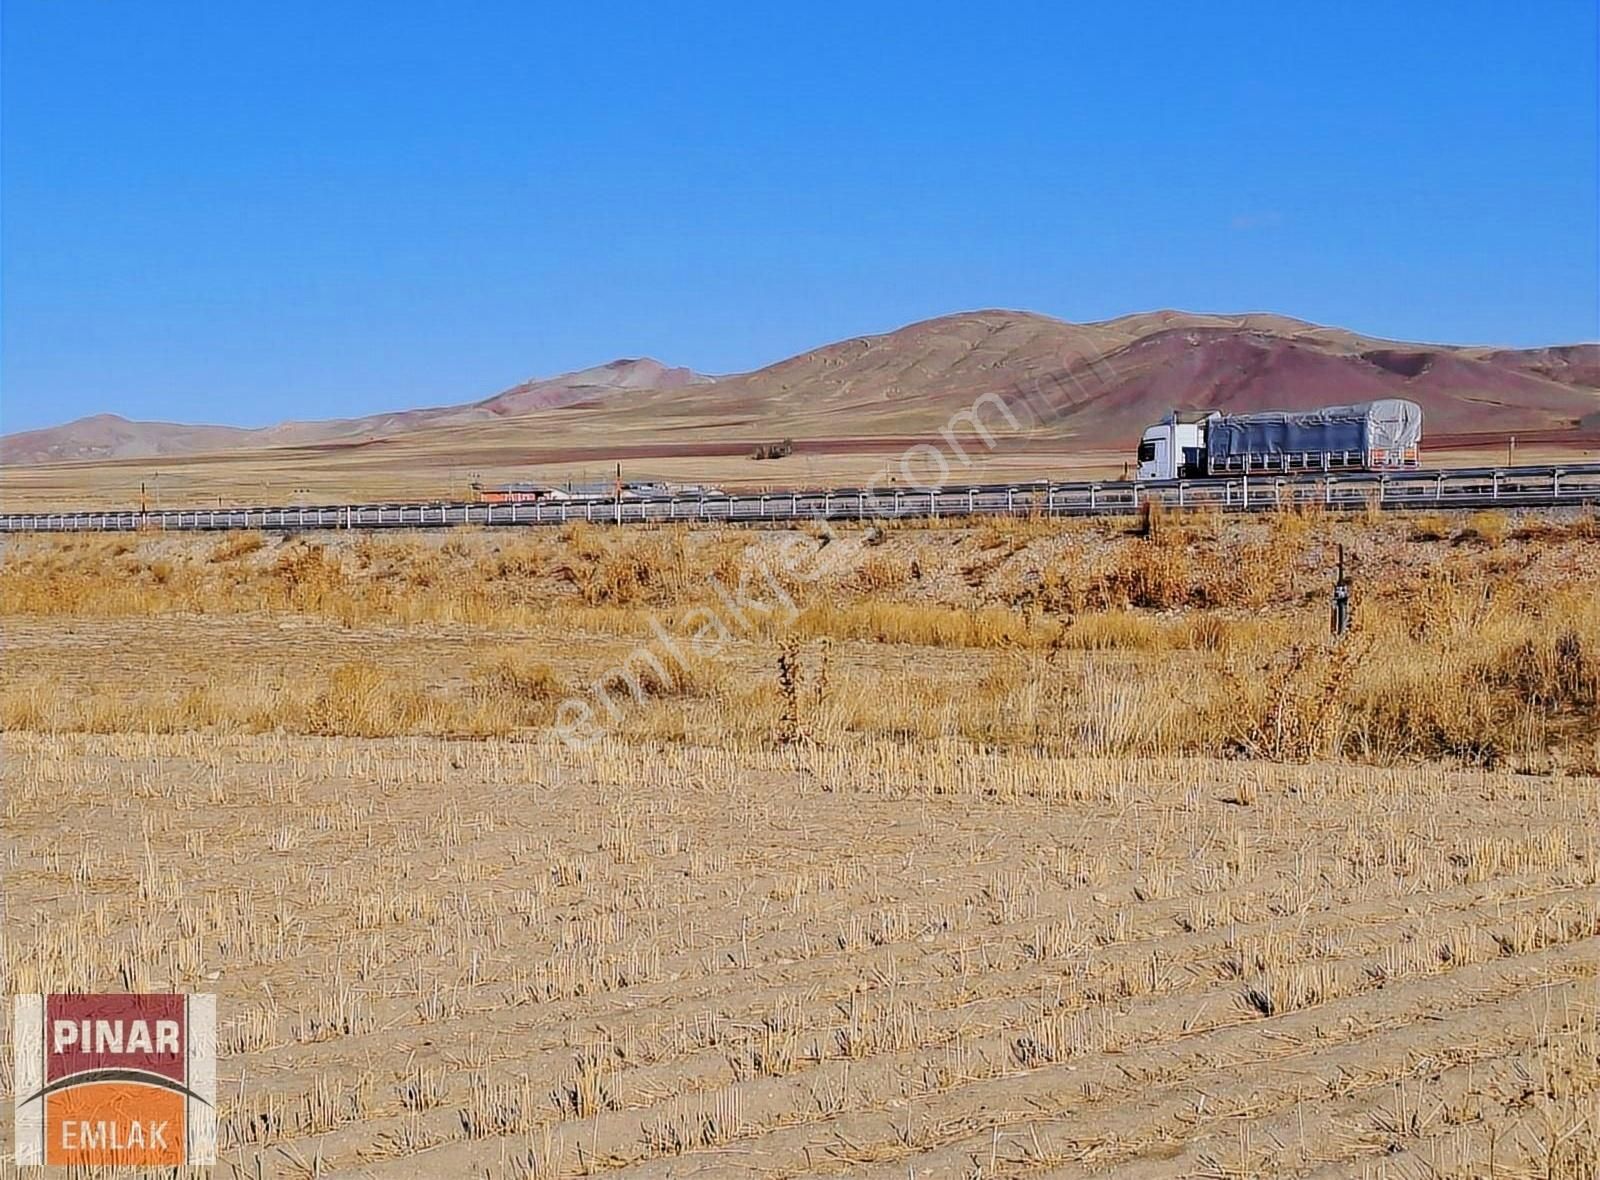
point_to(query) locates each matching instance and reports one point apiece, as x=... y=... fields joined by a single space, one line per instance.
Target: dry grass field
x=430 y=467
x=1017 y=848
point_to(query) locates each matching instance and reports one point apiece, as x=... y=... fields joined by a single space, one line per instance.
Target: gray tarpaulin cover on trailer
x=1389 y=424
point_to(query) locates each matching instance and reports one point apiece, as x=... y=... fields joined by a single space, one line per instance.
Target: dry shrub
x=1122 y=630
x=1014 y=532
x=650 y=674
x=34 y=705
x=1468 y=672
x=1292 y=525
x=237 y=545
x=1439 y=713
x=1290 y=709
x=1445 y=605
x=802 y=686
x=519 y=560
x=1107 y=713
x=355 y=699
x=360 y=699
x=691 y=677
x=642 y=569
x=1489 y=527
x=881 y=572
x=1155 y=574
x=1429 y=526
x=308 y=579
x=521 y=677
x=1583 y=525
x=1553 y=673
x=925 y=626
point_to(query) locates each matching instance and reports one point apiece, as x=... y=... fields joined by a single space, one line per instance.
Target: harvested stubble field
x=1011 y=849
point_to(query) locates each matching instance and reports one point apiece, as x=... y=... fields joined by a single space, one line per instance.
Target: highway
x=1478 y=487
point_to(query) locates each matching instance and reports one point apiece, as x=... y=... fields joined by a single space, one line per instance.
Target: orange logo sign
x=120 y=1080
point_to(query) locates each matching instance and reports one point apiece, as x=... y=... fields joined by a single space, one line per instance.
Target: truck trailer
x=1382 y=435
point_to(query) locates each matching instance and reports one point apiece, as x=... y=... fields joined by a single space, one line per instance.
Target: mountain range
x=1100 y=382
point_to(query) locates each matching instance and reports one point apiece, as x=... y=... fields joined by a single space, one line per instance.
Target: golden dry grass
x=1019 y=849
x=1480 y=646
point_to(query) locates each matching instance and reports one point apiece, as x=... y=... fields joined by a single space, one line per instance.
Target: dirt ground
x=1023 y=850
x=512 y=959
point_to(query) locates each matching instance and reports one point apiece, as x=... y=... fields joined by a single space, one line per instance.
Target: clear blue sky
x=243 y=212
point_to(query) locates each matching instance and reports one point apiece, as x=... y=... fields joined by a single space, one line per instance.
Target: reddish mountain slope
x=1103 y=382
x=1208 y=368
x=1096 y=385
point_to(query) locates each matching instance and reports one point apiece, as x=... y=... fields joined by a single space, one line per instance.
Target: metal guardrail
x=1479 y=487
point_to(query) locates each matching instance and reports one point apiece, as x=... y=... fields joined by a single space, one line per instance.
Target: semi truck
x=1382 y=435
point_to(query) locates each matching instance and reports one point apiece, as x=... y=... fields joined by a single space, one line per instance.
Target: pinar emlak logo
x=120 y=1079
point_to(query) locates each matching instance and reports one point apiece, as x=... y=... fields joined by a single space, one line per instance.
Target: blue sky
x=244 y=212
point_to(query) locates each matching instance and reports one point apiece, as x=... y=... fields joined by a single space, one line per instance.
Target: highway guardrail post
x=1340 y=622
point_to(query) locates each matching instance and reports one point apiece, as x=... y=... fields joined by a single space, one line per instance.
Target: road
x=1478 y=487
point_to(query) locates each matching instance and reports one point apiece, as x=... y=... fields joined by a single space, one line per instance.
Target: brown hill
x=107 y=436
x=1242 y=371
x=1102 y=382
x=1092 y=385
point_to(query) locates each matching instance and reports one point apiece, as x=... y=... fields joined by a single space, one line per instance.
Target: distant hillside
x=107 y=436
x=1097 y=384
x=1105 y=381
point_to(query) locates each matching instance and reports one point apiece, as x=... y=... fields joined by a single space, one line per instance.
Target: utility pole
x=1511 y=452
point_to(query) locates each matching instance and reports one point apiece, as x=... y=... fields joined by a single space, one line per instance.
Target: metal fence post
x=1340 y=622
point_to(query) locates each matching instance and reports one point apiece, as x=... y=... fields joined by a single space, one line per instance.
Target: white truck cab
x=1174 y=448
